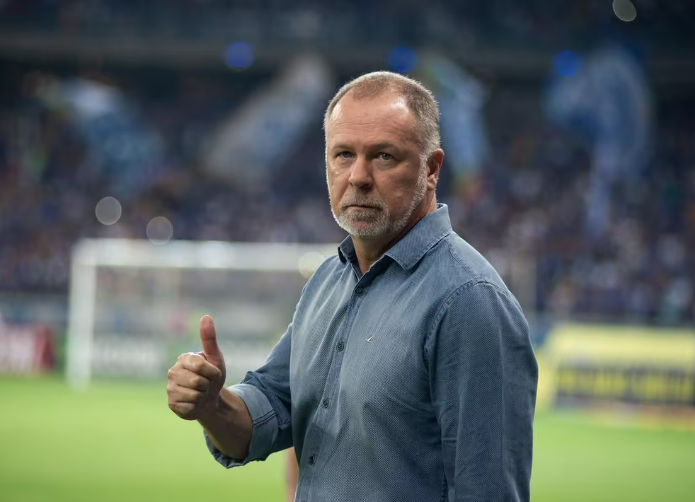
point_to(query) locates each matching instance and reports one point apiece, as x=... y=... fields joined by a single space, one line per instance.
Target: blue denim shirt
x=413 y=382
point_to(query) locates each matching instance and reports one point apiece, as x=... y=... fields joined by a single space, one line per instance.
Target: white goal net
x=134 y=305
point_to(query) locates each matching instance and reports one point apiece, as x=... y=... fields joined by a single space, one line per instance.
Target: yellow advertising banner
x=583 y=363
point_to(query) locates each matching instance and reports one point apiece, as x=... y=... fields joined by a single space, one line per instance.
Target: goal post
x=135 y=305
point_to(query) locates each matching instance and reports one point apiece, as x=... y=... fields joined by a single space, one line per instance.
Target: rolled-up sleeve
x=265 y=427
x=483 y=377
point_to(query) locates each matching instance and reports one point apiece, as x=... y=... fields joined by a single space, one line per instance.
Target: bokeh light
x=108 y=211
x=566 y=63
x=402 y=59
x=309 y=262
x=239 y=55
x=159 y=230
x=624 y=10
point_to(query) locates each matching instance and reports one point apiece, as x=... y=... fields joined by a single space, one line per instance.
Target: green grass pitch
x=119 y=442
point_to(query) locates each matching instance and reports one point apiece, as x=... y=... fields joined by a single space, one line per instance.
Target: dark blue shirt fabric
x=414 y=382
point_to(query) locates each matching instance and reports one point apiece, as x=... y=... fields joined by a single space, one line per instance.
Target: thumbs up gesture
x=195 y=381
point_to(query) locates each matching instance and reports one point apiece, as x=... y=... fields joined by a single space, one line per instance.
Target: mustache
x=356 y=199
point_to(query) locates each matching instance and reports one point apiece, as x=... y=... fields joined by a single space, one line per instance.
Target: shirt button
x=311 y=460
x=359 y=292
x=340 y=347
x=325 y=403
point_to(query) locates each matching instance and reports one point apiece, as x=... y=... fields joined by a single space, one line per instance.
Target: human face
x=377 y=181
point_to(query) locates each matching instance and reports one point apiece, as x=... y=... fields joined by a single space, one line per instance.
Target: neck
x=369 y=250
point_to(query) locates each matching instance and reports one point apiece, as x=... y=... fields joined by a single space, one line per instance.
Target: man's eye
x=385 y=156
x=344 y=155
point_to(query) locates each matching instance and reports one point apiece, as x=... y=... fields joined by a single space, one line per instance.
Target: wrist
x=228 y=424
x=215 y=410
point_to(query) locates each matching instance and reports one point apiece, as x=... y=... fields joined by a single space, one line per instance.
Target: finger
x=188 y=379
x=197 y=364
x=183 y=410
x=178 y=394
x=208 y=338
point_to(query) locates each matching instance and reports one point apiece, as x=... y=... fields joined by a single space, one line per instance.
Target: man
x=407 y=373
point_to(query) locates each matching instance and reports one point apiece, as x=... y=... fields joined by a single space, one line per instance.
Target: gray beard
x=379 y=221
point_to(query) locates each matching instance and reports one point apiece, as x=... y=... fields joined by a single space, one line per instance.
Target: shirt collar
x=411 y=248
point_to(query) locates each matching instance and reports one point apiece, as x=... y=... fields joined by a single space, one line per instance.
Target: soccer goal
x=134 y=305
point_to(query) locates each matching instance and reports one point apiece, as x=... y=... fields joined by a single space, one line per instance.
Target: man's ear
x=434 y=167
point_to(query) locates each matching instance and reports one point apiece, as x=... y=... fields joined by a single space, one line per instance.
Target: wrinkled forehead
x=385 y=117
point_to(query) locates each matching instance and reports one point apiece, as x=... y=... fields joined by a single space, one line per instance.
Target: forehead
x=382 y=118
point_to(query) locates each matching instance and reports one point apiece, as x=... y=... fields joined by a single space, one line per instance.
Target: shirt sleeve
x=266 y=393
x=483 y=378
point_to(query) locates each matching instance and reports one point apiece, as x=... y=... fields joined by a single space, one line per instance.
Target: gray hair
x=419 y=99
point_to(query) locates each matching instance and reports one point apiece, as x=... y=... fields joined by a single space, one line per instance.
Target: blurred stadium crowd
x=528 y=198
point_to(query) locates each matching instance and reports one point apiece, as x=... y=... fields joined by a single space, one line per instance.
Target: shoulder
x=325 y=275
x=477 y=308
x=464 y=278
x=329 y=268
x=459 y=266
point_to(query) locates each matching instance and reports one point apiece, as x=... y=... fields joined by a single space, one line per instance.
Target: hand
x=195 y=381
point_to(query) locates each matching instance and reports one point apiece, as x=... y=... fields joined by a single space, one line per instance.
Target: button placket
x=320 y=419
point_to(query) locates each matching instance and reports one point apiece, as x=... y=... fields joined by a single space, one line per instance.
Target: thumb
x=208 y=337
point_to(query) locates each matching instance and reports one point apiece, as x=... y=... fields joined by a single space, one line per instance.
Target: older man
x=407 y=373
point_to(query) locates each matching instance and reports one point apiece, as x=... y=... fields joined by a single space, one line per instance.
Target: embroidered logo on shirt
x=370 y=338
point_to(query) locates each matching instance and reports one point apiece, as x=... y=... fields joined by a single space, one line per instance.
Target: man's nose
x=361 y=173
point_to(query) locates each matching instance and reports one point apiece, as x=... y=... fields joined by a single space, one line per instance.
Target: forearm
x=229 y=426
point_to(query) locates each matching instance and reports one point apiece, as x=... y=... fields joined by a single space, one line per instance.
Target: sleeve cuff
x=265 y=427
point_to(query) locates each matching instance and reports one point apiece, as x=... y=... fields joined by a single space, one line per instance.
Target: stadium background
x=570 y=137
